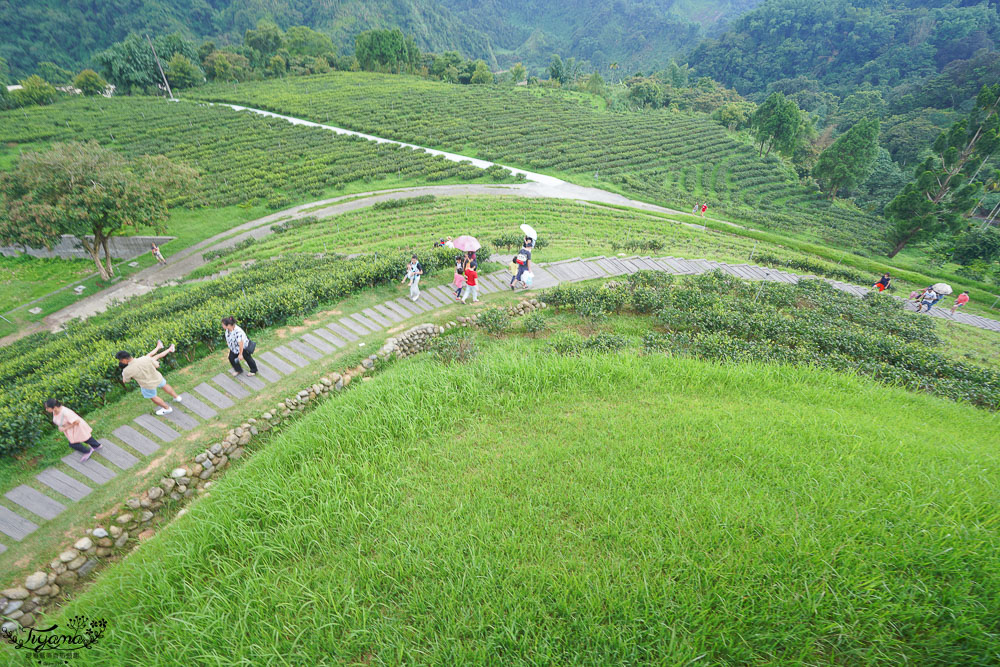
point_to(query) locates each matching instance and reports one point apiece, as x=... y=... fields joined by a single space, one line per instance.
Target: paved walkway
x=129 y=444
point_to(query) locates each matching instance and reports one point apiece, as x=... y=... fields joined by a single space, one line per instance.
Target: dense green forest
x=632 y=33
x=926 y=52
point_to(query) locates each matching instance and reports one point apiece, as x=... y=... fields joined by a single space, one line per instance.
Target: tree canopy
x=85 y=189
x=850 y=159
x=945 y=185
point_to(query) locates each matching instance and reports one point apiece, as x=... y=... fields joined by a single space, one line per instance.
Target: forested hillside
x=630 y=33
x=926 y=52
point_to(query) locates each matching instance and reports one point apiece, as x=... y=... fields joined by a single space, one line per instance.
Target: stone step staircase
x=129 y=444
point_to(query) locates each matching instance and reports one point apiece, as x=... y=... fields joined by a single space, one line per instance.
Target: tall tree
x=182 y=73
x=518 y=73
x=481 y=74
x=85 y=189
x=557 y=72
x=849 y=160
x=265 y=40
x=386 y=50
x=776 y=124
x=303 y=41
x=945 y=185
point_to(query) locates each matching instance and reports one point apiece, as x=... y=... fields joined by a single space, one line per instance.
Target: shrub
x=514 y=240
x=534 y=323
x=638 y=245
x=402 y=203
x=458 y=348
x=494 y=320
x=718 y=316
x=288 y=225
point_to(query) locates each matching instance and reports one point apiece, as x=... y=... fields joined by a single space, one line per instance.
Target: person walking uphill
x=522 y=260
x=471 y=285
x=413 y=272
x=240 y=347
x=77 y=431
x=144 y=371
x=960 y=301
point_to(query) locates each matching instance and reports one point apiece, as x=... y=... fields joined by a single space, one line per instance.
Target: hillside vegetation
x=927 y=53
x=597 y=509
x=665 y=157
x=633 y=33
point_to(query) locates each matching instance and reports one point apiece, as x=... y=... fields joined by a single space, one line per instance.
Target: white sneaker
x=179 y=399
x=164 y=411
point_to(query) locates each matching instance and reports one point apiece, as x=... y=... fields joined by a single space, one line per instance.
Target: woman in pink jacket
x=77 y=431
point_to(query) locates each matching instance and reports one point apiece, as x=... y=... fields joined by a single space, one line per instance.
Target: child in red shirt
x=471 y=286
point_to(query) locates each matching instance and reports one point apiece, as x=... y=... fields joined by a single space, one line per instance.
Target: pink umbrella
x=467 y=243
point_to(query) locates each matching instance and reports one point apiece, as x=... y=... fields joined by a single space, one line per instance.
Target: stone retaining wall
x=69 y=247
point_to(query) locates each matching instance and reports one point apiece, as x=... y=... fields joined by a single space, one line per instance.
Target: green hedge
x=79 y=368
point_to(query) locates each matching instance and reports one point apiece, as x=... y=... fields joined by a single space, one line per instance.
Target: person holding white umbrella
x=522 y=260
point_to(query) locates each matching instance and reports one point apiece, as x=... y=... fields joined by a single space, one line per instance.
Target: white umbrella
x=529 y=231
x=941 y=288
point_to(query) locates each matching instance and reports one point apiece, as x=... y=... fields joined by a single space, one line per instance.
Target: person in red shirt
x=960 y=301
x=471 y=284
x=704 y=207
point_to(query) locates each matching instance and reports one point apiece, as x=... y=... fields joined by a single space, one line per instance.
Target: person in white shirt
x=239 y=347
x=413 y=272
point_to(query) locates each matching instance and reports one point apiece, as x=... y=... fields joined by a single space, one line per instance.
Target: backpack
x=522 y=257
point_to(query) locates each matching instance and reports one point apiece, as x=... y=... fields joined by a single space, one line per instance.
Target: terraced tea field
x=664 y=157
x=243 y=158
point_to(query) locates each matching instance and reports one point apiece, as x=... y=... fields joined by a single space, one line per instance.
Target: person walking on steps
x=144 y=371
x=458 y=282
x=240 y=347
x=157 y=255
x=471 y=285
x=77 y=431
x=929 y=298
x=704 y=207
x=882 y=283
x=522 y=260
x=413 y=272
x=960 y=301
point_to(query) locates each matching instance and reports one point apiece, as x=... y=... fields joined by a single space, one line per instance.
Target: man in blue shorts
x=144 y=371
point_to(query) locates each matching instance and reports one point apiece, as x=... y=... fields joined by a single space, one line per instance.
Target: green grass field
x=529 y=508
x=25 y=278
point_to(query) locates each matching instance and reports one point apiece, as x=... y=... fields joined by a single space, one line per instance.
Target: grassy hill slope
x=586 y=510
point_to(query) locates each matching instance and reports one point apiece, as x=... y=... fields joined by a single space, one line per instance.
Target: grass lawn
x=532 y=508
x=24 y=278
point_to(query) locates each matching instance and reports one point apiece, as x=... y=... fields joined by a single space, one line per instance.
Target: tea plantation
x=243 y=158
x=668 y=158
